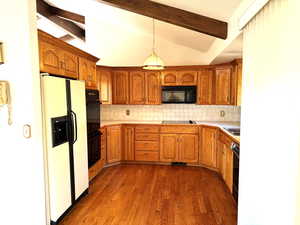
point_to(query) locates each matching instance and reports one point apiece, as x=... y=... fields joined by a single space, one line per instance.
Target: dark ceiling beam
x=173 y=15
x=66 y=38
x=73 y=29
x=68 y=15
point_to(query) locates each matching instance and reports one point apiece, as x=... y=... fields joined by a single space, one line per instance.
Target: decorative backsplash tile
x=170 y=112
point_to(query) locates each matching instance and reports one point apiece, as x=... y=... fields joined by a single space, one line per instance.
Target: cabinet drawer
x=147 y=129
x=179 y=129
x=225 y=139
x=146 y=145
x=146 y=137
x=146 y=156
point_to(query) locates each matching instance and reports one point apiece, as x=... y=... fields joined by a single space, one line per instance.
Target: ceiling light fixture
x=153 y=62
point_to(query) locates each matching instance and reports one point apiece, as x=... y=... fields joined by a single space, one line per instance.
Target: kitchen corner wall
x=170 y=112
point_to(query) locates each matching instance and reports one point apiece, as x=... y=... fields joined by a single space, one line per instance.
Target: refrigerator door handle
x=75 y=125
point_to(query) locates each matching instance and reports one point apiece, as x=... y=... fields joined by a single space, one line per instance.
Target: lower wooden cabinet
x=179 y=148
x=208 y=150
x=114 y=144
x=128 y=143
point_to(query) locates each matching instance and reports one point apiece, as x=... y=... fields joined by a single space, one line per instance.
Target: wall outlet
x=127 y=112
x=222 y=113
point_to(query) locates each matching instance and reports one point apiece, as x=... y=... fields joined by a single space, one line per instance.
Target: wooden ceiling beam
x=68 y=15
x=179 y=17
x=66 y=38
x=73 y=29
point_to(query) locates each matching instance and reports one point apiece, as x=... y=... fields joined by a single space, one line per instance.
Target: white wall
x=21 y=160
x=270 y=120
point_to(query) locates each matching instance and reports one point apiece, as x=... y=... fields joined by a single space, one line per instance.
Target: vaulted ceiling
x=123 y=38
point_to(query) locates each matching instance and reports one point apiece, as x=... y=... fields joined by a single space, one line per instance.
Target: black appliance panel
x=60 y=126
x=94 y=154
x=93 y=110
x=236 y=167
x=179 y=94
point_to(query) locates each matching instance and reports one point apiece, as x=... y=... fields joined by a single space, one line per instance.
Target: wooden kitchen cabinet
x=50 y=58
x=205 y=87
x=169 y=147
x=188 y=148
x=169 y=78
x=153 y=88
x=179 y=145
x=120 y=87
x=223 y=86
x=114 y=144
x=104 y=85
x=236 y=90
x=179 y=78
x=59 y=58
x=208 y=151
x=128 y=143
x=187 y=78
x=87 y=72
x=137 y=89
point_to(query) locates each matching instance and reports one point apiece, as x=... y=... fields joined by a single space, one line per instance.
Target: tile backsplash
x=170 y=112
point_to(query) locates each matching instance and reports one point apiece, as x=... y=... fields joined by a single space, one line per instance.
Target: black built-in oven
x=179 y=94
x=93 y=126
x=236 y=167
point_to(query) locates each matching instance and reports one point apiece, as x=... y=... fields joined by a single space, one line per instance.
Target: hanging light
x=153 y=62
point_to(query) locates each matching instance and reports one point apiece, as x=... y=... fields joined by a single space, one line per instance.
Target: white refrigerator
x=65 y=125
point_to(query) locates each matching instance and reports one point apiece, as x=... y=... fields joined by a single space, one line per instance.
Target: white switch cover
x=27 y=131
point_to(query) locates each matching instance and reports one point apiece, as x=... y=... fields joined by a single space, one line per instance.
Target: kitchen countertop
x=221 y=124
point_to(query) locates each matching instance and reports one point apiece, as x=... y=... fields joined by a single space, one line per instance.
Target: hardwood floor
x=155 y=195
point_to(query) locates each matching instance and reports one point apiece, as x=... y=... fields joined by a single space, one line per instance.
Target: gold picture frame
x=1 y=53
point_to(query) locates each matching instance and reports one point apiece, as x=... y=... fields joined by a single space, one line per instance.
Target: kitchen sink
x=233 y=131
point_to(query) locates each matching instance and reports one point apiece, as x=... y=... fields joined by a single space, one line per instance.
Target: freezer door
x=55 y=105
x=80 y=152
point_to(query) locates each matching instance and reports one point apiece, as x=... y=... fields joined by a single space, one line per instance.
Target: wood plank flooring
x=155 y=195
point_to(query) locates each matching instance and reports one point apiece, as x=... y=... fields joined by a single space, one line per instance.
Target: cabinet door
x=223 y=86
x=188 y=148
x=229 y=167
x=153 y=88
x=208 y=154
x=169 y=147
x=70 y=65
x=114 y=144
x=169 y=78
x=128 y=143
x=83 y=70
x=50 y=59
x=103 y=144
x=104 y=77
x=120 y=87
x=205 y=87
x=137 y=88
x=91 y=79
x=187 y=78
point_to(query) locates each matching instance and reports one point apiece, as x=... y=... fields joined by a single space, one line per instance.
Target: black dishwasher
x=236 y=167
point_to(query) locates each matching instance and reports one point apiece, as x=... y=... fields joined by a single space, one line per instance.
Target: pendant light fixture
x=153 y=62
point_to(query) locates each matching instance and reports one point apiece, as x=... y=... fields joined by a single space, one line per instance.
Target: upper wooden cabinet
x=137 y=89
x=104 y=85
x=236 y=90
x=205 y=87
x=179 y=78
x=169 y=78
x=223 y=86
x=70 y=64
x=114 y=144
x=59 y=58
x=50 y=58
x=87 y=72
x=120 y=87
x=187 y=78
x=153 y=88
x=208 y=149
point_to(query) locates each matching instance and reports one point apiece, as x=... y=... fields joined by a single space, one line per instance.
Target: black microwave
x=179 y=94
